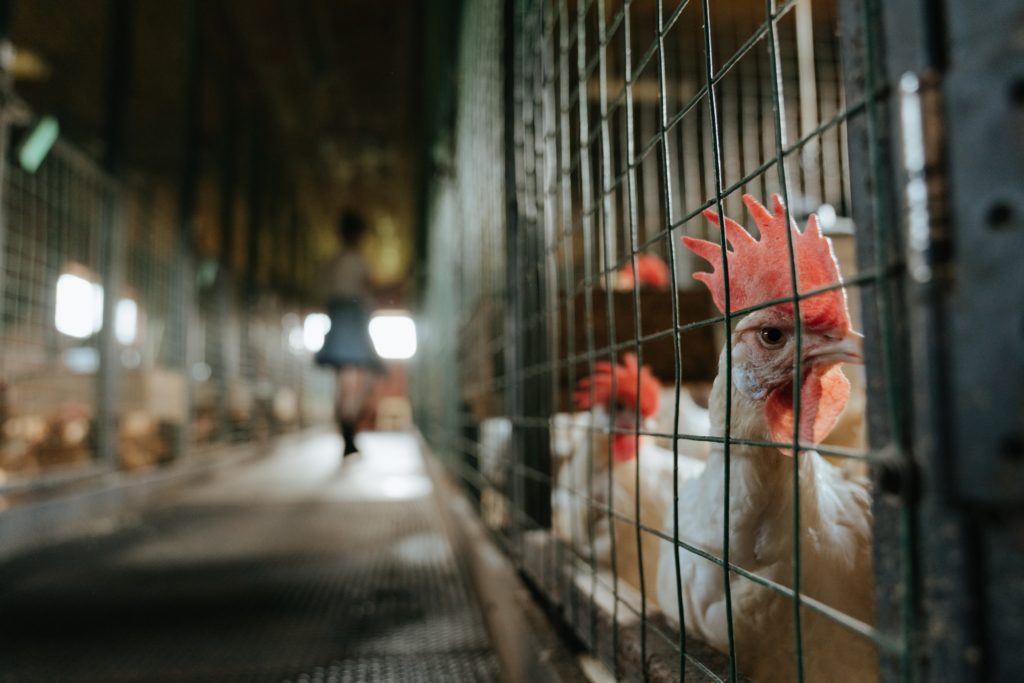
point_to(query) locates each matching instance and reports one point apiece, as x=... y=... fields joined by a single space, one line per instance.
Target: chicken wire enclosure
x=51 y=304
x=120 y=349
x=570 y=372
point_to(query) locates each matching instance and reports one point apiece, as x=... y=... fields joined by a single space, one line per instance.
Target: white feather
x=584 y=487
x=694 y=420
x=835 y=551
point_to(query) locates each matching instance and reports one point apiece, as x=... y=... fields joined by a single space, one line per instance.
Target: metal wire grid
x=56 y=221
x=464 y=303
x=619 y=144
x=54 y=218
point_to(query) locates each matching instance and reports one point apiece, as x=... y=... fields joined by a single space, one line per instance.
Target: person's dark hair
x=351 y=227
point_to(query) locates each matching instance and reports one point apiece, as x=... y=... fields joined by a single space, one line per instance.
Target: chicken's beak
x=833 y=349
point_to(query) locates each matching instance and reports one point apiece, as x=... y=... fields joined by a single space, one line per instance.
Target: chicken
x=569 y=434
x=653 y=273
x=693 y=420
x=493 y=461
x=835 y=518
x=574 y=515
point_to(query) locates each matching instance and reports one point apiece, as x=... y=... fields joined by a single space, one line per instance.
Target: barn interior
x=345 y=340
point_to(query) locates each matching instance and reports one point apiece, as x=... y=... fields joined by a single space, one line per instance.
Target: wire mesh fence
x=52 y=256
x=628 y=429
x=106 y=361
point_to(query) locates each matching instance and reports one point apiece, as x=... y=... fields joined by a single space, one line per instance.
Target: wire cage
x=51 y=278
x=597 y=388
x=122 y=349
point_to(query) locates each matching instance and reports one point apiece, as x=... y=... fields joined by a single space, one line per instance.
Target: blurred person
x=347 y=347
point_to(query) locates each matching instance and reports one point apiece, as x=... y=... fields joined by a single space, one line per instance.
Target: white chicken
x=834 y=510
x=586 y=473
x=694 y=420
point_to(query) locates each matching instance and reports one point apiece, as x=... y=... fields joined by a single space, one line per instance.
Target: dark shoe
x=348 y=433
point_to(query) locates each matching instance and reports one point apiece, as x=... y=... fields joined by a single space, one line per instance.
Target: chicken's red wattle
x=823 y=397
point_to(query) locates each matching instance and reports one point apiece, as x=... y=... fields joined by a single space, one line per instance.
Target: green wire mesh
x=179 y=353
x=625 y=121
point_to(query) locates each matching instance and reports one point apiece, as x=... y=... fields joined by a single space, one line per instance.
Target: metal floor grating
x=314 y=589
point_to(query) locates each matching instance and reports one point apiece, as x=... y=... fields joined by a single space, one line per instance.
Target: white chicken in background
x=569 y=434
x=586 y=473
x=694 y=420
x=835 y=517
x=494 y=460
x=651 y=273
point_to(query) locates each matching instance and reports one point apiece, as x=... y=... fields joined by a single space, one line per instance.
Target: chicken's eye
x=771 y=336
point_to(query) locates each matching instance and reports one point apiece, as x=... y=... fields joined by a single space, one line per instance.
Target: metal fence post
x=870 y=157
x=225 y=279
x=6 y=58
x=513 y=359
x=119 y=77
x=966 y=227
x=941 y=170
x=256 y=204
x=187 y=201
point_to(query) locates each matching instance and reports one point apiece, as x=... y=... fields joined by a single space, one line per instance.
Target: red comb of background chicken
x=625 y=386
x=759 y=269
x=652 y=272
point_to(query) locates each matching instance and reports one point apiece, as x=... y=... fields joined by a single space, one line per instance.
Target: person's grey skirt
x=348 y=340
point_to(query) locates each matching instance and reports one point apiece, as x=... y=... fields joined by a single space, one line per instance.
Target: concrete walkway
x=294 y=567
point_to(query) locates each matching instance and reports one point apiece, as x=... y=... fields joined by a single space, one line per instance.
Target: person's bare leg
x=348 y=401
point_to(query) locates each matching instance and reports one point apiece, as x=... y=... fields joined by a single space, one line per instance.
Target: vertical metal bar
x=527 y=261
x=666 y=179
x=607 y=223
x=225 y=280
x=187 y=201
x=778 y=102
x=256 y=203
x=632 y=211
x=717 y=168
x=553 y=235
x=539 y=494
x=808 y=95
x=874 y=208
x=6 y=61
x=273 y=232
x=296 y=234
x=565 y=237
x=511 y=136
x=119 y=81
x=590 y=273
x=976 y=275
x=551 y=201
x=53 y=251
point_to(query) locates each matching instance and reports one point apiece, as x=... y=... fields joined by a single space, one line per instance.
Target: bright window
x=314 y=328
x=393 y=335
x=79 y=311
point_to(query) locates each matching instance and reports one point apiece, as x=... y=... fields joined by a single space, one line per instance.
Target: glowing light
x=296 y=339
x=201 y=372
x=314 y=329
x=393 y=335
x=79 y=311
x=82 y=360
x=38 y=144
x=292 y=326
x=126 y=321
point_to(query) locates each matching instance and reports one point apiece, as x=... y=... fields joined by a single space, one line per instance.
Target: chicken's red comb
x=652 y=270
x=625 y=386
x=759 y=269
